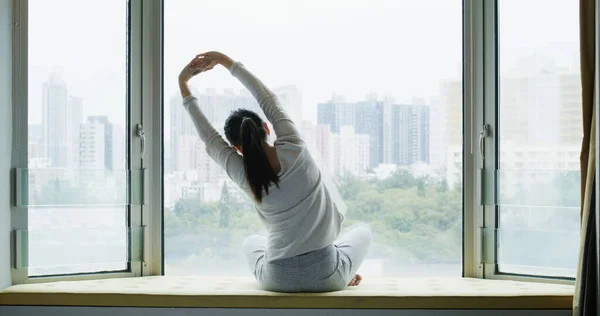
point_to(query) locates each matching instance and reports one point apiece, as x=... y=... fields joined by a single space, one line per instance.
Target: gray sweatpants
x=324 y=270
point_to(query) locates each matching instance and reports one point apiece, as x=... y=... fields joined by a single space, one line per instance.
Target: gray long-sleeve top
x=300 y=215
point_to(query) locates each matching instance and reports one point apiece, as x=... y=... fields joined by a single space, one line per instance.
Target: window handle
x=139 y=131
x=485 y=132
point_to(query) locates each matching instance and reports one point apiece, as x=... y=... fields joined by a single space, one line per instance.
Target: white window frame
x=152 y=109
x=487 y=93
x=137 y=79
x=472 y=119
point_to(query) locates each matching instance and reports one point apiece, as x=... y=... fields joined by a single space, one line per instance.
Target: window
x=376 y=88
x=379 y=104
x=539 y=110
x=76 y=180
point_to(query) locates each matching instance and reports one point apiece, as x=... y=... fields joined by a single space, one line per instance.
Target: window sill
x=417 y=293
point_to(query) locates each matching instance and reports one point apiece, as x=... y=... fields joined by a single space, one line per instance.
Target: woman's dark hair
x=245 y=129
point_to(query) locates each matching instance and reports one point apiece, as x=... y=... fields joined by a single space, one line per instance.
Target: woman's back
x=300 y=214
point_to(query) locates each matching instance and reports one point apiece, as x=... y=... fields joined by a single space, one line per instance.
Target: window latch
x=485 y=132
x=139 y=131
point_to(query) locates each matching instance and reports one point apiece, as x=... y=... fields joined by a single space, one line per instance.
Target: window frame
x=19 y=154
x=491 y=160
x=146 y=107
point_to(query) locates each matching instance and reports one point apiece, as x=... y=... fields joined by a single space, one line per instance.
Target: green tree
x=401 y=179
x=349 y=186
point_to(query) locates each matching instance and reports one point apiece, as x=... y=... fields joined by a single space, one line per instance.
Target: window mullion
x=135 y=126
x=490 y=119
x=152 y=117
x=19 y=217
x=473 y=120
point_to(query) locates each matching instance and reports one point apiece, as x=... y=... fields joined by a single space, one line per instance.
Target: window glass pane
x=77 y=136
x=540 y=137
x=376 y=90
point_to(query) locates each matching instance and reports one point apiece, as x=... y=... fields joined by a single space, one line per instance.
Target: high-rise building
x=55 y=121
x=35 y=133
x=571 y=129
x=326 y=115
x=35 y=144
x=410 y=137
x=446 y=128
x=186 y=152
x=540 y=104
x=324 y=145
x=369 y=117
x=451 y=98
x=74 y=119
x=291 y=100
x=119 y=158
x=369 y=120
x=61 y=116
x=92 y=145
x=182 y=129
x=336 y=113
x=529 y=109
x=114 y=143
x=350 y=152
x=424 y=134
x=438 y=137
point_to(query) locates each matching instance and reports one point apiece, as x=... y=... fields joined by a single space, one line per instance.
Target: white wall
x=5 y=138
x=116 y=311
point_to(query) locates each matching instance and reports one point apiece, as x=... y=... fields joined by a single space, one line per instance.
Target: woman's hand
x=196 y=66
x=218 y=57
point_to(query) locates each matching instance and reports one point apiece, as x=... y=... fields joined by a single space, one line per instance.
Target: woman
x=301 y=253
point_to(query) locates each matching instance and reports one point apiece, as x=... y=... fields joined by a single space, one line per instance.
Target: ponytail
x=259 y=172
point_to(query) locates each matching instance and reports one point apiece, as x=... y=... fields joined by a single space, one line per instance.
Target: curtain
x=586 y=290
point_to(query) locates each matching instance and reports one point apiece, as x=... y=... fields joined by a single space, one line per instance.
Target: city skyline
x=561 y=89
x=383 y=131
x=65 y=140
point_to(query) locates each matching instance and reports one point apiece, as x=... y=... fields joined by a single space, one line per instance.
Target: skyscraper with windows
x=291 y=100
x=571 y=130
x=55 y=121
x=369 y=120
x=74 y=119
x=410 y=134
x=182 y=131
x=114 y=144
x=61 y=116
x=398 y=134
x=336 y=113
x=92 y=145
x=350 y=152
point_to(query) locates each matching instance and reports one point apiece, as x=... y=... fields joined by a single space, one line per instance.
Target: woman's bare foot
x=355 y=280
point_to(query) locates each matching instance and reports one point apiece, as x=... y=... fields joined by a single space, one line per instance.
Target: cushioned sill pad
x=171 y=291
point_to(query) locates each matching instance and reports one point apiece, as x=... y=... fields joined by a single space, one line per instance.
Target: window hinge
x=137 y=238
x=488 y=245
x=145 y=253
x=488 y=183
x=21 y=251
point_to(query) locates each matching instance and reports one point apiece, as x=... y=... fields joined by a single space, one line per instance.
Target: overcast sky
x=397 y=48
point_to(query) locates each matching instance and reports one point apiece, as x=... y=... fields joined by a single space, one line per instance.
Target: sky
x=396 y=48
